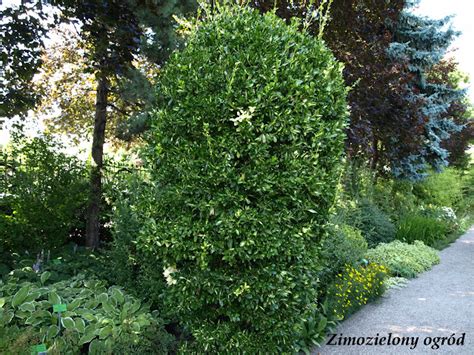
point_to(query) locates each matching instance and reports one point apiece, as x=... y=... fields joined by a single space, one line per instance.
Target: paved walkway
x=437 y=304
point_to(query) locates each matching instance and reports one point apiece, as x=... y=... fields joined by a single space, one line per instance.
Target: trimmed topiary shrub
x=246 y=150
x=402 y=259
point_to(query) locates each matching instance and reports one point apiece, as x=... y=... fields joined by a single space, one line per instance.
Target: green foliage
x=466 y=206
x=354 y=287
x=98 y=319
x=429 y=230
x=396 y=282
x=314 y=328
x=22 y=29
x=374 y=224
x=129 y=265
x=246 y=149
x=395 y=198
x=343 y=245
x=44 y=192
x=441 y=189
x=402 y=259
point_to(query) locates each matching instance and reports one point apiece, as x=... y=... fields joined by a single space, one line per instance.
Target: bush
x=130 y=266
x=404 y=260
x=97 y=320
x=466 y=206
x=354 y=287
x=441 y=189
x=246 y=153
x=395 y=197
x=429 y=230
x=44 y=195
x=374 y=224
x=343 y=245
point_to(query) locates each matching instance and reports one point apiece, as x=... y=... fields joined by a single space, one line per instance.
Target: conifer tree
x=420 y=43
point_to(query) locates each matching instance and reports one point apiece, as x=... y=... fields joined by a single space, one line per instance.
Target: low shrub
x=129 y=266
x=97 y=319
x=429 y=230
x=404 y=260
x=354 y=287
x=466 y=206
x=343 y=245
x=374 y=224
x=395 y=198
x=441 y=189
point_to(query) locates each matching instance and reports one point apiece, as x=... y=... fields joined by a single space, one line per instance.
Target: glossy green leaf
x=105 y=332
x=52 y=332
x=27 y=307
x=68 y=323
x=54 y=298
x=80 y=325
x=20 y=296
x=45 y=277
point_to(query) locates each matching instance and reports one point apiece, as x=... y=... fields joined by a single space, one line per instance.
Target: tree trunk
x=375 y=156
x=95 y=197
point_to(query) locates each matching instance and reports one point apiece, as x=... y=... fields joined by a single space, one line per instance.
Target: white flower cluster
x=167 y=273
x=447 y=213
x=243 y=115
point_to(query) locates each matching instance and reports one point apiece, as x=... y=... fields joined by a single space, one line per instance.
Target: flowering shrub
x=443 y=214
x=356 y=286
x=402 y=259
x=343 y=245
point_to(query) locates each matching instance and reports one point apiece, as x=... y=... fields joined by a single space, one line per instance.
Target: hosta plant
x=76 y=314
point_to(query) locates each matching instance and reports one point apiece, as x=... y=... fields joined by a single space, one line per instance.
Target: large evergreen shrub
x=246 y=152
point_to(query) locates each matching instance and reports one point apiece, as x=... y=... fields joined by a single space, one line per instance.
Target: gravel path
x=437 y=304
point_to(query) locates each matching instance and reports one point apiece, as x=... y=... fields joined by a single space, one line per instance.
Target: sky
x=463 y=47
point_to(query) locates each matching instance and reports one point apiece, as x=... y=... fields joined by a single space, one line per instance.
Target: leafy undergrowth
x=94 y=318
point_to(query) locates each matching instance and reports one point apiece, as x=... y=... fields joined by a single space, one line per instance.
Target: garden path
x=438 y=303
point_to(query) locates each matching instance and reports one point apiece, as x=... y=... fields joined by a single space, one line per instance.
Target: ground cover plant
x=95 y=319
x=404 y=260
